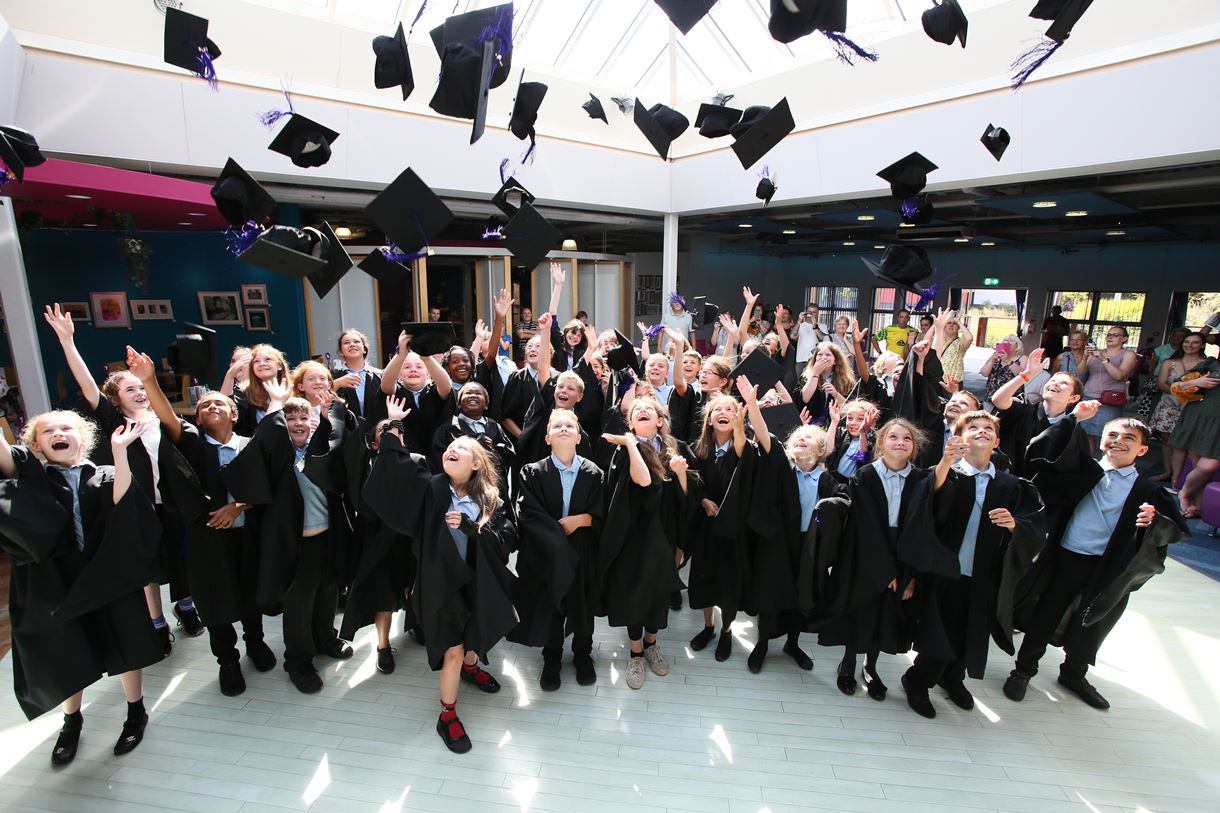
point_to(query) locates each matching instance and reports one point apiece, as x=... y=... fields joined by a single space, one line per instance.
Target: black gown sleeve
x=396 y=486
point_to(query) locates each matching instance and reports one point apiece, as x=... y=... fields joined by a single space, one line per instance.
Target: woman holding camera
x=1109 y=369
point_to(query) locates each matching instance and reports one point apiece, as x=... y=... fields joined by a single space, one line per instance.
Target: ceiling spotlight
x=745 y=225
x=343 y=232
x=79 y=197
x=879 y=248
x=89 y=225
x=1076 y=213
x=1116 y=233
x=848 y=243
x=906 y=225
x=1044 y=204
x=569 y=244
x=789 y=231
x=865 y=218
x=185 y=223
x=961 y=239
x=197 y=214
x=987 y=243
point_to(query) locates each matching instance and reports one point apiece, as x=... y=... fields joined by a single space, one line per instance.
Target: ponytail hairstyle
x=255 y=393
x=484 y=484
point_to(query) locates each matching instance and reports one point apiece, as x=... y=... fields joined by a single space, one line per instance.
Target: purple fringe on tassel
x=268 y=118
x=503 y=174
x=241 y=240
x=844 y=48
x=929 y=294
x=396 y=255
x=502 y=31
x=677 y=297
x=207 y=69
x=1028 y=62
x=653 y=330
x=528 y=157
x=910 y=208
x=494 y=234
x=418 y=14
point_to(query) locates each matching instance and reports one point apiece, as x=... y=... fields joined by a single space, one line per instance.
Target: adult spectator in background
x=1187 y=358
x=1198 y=432
x=434 y=314
x=897 y=337
x=1110 y=368
x=678 y=319
x=925 y=328
x=842 y=339
x=582 y=316
x=525 y=329
x=1004 y=365
x=809 y=334
x=1054 y=330
x=956 y=341
x=1171 y=347
x=1075 y=359
x=1209 y=328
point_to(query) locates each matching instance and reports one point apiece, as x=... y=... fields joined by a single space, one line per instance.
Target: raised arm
x=743 y=327
x=501 y=306
x=444 y=384
x=644 y=351
x=230 y=381
x=677 y=346
x=8 y=467
x=749 y=394
x=61 y=323
x=123 y=437
x=1001 y=399
x=558 y=275
x=857 y=343
x=730 y=328
x=546 y=350
x=784 y=340
x=938 y=329
x=141 y=366
x=481 y=337
x=640 y=475
x=389 y=376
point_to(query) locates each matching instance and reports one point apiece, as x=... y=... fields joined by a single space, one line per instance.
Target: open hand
x=396 y=408
x=749 y=392
x=277 y=390
x=125 y=435
x=140 y=365
x=1084 y=410
x=558 y=275
x=503 y=303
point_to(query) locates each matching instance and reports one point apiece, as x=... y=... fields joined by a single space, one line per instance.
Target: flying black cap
x=625 y=104
x=761 y=369
x=239 y=197
x=946 y=22
x=525 y=108
x=622 y=356
x=765 y=190
x=1065 y=15
x=791 y=20
x=529 y=236
x=685 y=13
x=305 y=141
x=289 y=251
x=907 y=176
x=781 y=418
x=511 y=197
x=18 y=150
x=186 y=36
x=594 y=108
x=461 y=91
x=760 y=129
x=408 y=212
x=381 y=268
x=705 y=312
x=996 y=140
x=716 y=120
x=494 y=25
x=393 y=66
x=430 y=338
x=193 y=352
x=338 y=263
x=902 y=266
x=660 y=124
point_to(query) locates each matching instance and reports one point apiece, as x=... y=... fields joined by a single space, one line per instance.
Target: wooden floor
x=709 y=737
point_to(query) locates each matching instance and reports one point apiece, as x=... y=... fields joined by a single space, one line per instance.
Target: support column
x=20 y=318
x=669 y=261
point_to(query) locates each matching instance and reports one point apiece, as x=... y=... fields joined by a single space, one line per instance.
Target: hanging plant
x=135 y=253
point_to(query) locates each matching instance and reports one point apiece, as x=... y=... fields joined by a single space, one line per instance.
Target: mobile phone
x=1003 y=348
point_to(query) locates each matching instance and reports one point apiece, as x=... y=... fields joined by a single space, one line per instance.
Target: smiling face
x=771 y=342
x=563 y=430
x=1192 y=345
x=808 y=446
x=298 y=426
x=645 y=419
x=656 y=369
x=568 y=390
x=265 y=365
x=459 y=462
x=690 y=366
x=841 y=326
x=897 y=446
x=129 y=396
x=962 y=401
x=980 y=435
x=1077 y=340
x=313 y=383
x=722 y=417
x=472 y=400
x=458 y=365
x=1059 y=392
x=1122 y=442
x=533 y=349
x=352 y=347
x=59 y=440
x=597 y=366
x=527 y=314
x=710 y=380
x=414 y=375
x=853 y=419
x=573 y=335
x=215 y=415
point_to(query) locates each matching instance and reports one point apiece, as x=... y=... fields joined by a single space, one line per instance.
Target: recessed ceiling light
x=986 y=243
x=848 y=243
x=745 y=225
x=343 y=232
x=865 y=218
x=89 y=225
x=879 y=248
x=1076 y=213
x=79 y=197
x=789 y=231
x=1116 y=233
x=197 y=214
x=961 y=239
x=1044 y=204
x=906 y=225
x=185 y=223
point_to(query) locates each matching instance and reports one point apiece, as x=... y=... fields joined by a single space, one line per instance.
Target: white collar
x=965 y=467
x=1125 y=471
x=887 y=473
x=231 y=443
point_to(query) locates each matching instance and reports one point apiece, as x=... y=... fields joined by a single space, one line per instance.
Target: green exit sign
x=991 y=282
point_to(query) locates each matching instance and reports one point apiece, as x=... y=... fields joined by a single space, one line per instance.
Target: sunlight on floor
x=319 y=783
x=173 y=684
x=1204 y=650
x=395 y=805
x=510 y=672
x=613 y=675
x=1087 y=803
x=991 y=716
x=722 y=742
x=523 y=791
x=20 y=740
x=508 y=736
x=1134 y=656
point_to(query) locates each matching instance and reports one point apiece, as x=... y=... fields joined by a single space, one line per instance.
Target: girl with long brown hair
x=266 y=364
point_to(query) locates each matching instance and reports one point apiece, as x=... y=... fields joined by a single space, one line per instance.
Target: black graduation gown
x=842 y=441
x=489 y=377
x=1019 y=425
x=592 y=403
x=1065 y=473
x=500 y=443
x=1001 y=559
x=563 y=360
x=635 y=561
x=75 y=614
x=556 y=572
x=427 y=413
x=222 y=564
x=686 y=413
x=247 y=415
x=374 y=399
x=531 y=446
x=680 y=510
x=721 y=566
x=810 y=555
x=456 y=601
x=519 y=393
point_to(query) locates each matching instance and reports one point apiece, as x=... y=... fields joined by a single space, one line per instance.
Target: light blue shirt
x=965 y=554
x=470 y=509
x=1093 y=521
x=567 y=479
x=723 y=448
x=654 y=442
x=663 y=392
x=479 y=426
x=72 y=476
x=363 y=374
x=415 y=395
x=893 y=482
x=1054 y=419
x=847 y=463
x=807 y=485
x=317 y=513
x=226 y=452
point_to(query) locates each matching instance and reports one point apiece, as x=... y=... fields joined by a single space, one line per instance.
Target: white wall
x=12 y=70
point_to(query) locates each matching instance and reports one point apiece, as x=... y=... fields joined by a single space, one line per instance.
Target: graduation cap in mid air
x=945 y=22
x=289 y=251
x=525 y=109
x=902 y=266
x=430 y=338
x=1064 y=14
x=716 y=119
x=622 y=356
x=705 y=313
x=511 y=197
x=781 y=419
x=18 y=150
x=766 y=188
x=305 y=141
x=660 y=124
x=187 y=45
x=761 y=369
x=792 y=19
x=461 y=91
x=684 y=14
x=193 y=352
x=239 y=197
x=494 y=25
x=408 y=212
x=594 y=108
x=760 y=129
x=908 y=175
x=625 y=104
x=380 y=267
x=338 y=263
x=393 y=65
x=529 y=236
x=996 y=140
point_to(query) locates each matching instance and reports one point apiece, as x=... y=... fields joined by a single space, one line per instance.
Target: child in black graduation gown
x=473 y=421
x=851 y=432
x=82 y=539
x=560 y=506
x=888 y=543
x=428 y=390
x=1110 y=528
x=993 y=522
x=554 y=391
x=1024 y=422
x=463 y=536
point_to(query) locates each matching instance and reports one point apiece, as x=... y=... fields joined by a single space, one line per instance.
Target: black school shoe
x=960 y=695
x=702 y=638
x=586 y=672
x=917 y=698
x=67 y=742
x=549 y=680
x=131 y=735
x=307 y=680
x=802 y=658
x=260 y=655
x=757 y=656
x=232 y=683
x=1077 y=685
x=675 y=600
x=481 y=678
x=846 y=681
x=167 y=640
x=454 y=735
x=724 y=646
x=873 y=685
x=1015 y=686
x=336 y=648
x=385 y=660
x=188 y=620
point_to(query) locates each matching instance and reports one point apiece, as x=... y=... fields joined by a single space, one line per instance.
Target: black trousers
x=309 y=605
x=582 y=636
x=636 y=631
x=926 y=672
x=1070 y=575
x=223 y=637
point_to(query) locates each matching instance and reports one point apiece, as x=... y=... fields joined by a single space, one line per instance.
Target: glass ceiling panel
x=381 y=10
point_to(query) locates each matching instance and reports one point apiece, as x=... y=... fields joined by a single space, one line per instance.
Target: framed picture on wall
x=151 y=309
x=110 y=309
x=220 y=307
x=78 y=310
x=258 y=320
x=254 y=294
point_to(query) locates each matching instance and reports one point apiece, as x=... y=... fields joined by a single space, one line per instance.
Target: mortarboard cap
x=594 y=108
x=494 y=25
x=781 y=419
x=945 y=22
x=684 y=14
x=705 y=312
x=305 y=141
x=791 y=20
x=1048 y=9
x=511 y=197
x=193 y=352
x=393 y=66
x=18 y=150
x=289 y=251
x=381 y=268
x=907 y=176
x=239 y=197
x=716 y=120
x=338 y=263
x=996 y=140
x=765 y=190
x=186 y=37
x=660 y=124
x=1065 y=18
x=902 y=266
x=408 y=212
x=760 y=129
x=625 y=104
x=761 y=369
x=525 y=108
x=529 y=236
x=430 y=338
x=622 y=356
x=462 y=89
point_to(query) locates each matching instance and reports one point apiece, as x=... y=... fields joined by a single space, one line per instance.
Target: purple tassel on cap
x=677 y=297
x=207 y=69
x=503 y=170
x=844 y=48
x=268 y=118
x=929 y=294
x=418 y=14
x=494 y=234
x=910 y=208
x=1028 y=62
x=502 y=31
x=652 y=331
x=241 y=240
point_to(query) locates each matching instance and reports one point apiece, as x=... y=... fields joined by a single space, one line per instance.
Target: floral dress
x=1168 y=410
